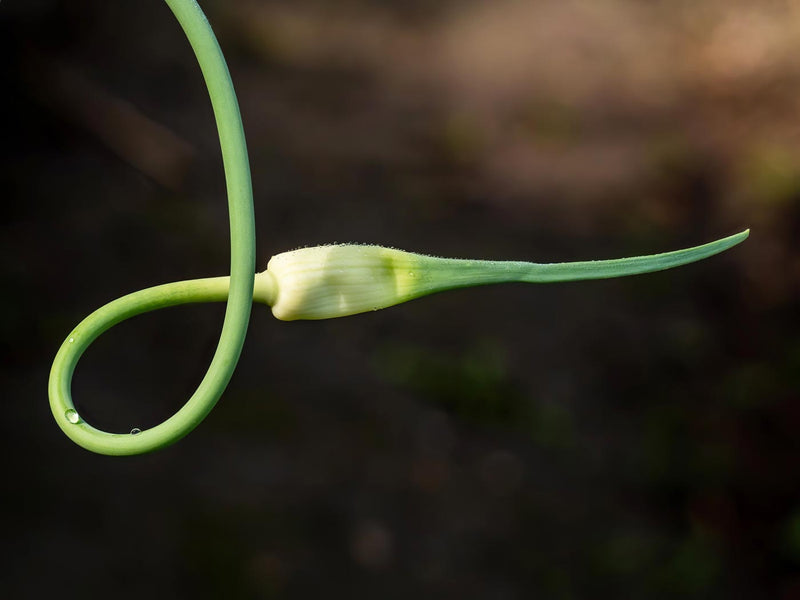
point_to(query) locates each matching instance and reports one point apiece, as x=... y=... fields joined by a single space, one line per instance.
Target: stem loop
x=238 y=291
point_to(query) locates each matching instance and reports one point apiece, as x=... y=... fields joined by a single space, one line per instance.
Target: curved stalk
x=237 y=314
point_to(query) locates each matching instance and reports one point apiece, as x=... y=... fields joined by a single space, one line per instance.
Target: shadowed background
x=630 y=438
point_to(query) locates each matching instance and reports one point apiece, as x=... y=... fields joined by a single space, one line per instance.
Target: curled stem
x=238 y=291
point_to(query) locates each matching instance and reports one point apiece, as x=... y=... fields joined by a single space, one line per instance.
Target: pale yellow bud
x=338 y=280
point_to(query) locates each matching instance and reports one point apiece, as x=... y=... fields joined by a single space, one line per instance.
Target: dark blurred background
x=632 y=438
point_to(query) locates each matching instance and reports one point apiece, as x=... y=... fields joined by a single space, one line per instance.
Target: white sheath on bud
x=338 y=280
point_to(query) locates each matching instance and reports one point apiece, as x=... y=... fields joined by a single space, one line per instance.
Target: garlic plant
x=310 y=283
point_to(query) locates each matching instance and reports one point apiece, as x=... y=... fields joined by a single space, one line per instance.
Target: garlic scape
x=310 y=283
x=324 y=282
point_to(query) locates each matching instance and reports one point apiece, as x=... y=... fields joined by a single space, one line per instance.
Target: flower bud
x=337 y=280
x=324 y=282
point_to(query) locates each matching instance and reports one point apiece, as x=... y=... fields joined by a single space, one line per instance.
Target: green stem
x=237 y=314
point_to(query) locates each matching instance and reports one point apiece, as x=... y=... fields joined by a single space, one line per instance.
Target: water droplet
x=411 y=274
x=71 y=340
x=136 y=431
x=72 y=415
